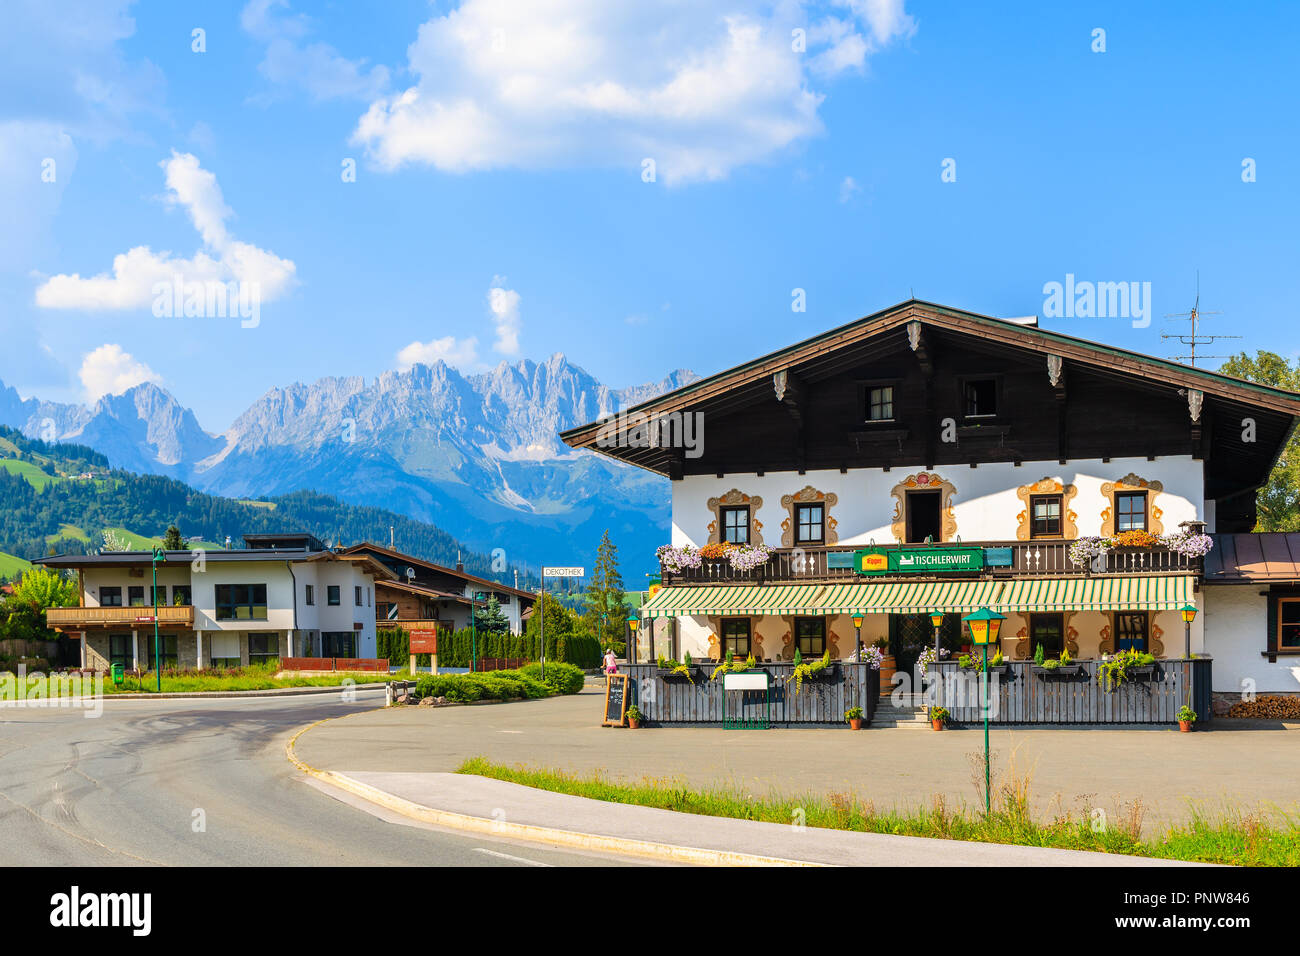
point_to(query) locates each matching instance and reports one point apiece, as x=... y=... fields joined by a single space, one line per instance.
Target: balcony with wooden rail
x=82 y=618
x=814 y=565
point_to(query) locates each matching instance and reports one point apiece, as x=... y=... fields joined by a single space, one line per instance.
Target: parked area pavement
x=1238 y=767
x=205 y=782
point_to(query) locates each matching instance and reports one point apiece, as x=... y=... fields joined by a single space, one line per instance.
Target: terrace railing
x=1028 y=558
x=75 y=618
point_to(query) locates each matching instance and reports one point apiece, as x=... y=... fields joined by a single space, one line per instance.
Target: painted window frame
x=723 y=512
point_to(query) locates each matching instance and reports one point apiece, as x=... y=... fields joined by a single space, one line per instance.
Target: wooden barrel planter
x=888 y=668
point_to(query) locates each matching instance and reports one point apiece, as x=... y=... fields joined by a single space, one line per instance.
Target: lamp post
x=857 y=630
x=984 y=627
x=158 y=555
x=633 y=651
x=473 y=635
x=937 y=620
x=1188 y=611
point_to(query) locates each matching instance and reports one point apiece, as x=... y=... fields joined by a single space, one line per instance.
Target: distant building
x=427 y=596
x=283 y=595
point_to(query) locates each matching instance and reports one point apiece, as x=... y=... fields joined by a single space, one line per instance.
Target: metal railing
x=1028 y=558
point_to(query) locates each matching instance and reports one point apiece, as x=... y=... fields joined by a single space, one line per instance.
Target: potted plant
x=1124 y=666
x=1063 y=666
x=634 y=717
x=939 y=716
x=1186 y=717
x=670 y=669
x=854 y=716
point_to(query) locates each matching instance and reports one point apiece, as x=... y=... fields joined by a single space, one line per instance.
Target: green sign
x=919 y=561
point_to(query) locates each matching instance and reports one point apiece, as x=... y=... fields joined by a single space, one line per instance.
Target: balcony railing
x=1028 y=558
x=76 y=618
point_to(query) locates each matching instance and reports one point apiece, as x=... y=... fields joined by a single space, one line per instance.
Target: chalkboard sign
x=615 y=700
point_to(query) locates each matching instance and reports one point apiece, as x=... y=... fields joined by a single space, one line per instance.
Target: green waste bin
x=119 y=674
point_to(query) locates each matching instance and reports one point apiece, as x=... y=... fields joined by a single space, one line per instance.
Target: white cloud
x=460 y=353
x=700 y=87
x=222 y=259
x=317 y=68
x=504 y=304
x=110 y=371
x=848 y=188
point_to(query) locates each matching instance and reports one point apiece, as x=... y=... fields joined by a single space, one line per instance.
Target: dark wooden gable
x=1095 y=403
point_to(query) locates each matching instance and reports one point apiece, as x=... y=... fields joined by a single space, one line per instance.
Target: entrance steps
x=911 y=714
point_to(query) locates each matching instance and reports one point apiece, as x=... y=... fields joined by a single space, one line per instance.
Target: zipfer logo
x=77 y=909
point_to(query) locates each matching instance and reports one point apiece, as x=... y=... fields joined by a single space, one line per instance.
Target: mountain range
x=477 y=455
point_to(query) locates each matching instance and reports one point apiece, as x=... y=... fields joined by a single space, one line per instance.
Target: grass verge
x=1239 y=840
x=182 y=682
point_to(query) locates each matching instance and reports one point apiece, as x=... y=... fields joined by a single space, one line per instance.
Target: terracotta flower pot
x=633 y=724
x=1185 y=726
x=855 y=723
x=937 y=724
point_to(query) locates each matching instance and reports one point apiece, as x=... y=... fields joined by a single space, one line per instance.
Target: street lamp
x=857 y=630
x=633 y=650
x=936 y=619
x=984 y=627
x=1188 y=611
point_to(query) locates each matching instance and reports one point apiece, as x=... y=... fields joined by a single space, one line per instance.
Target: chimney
x=459 y=566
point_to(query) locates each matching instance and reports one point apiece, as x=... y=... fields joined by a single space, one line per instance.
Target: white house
x=279 y=596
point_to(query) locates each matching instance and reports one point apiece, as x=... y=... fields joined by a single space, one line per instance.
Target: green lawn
x=269 y=505
x=140 y=542
x=12 y=567
x=1241 y=840
x=38 y=478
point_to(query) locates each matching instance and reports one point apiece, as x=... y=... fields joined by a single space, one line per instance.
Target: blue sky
x=499 y=144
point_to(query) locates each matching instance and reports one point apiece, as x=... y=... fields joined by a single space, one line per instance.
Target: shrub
x=561 y=677
x=491 y=685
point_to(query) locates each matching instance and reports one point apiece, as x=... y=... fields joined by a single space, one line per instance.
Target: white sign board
x=563 y=572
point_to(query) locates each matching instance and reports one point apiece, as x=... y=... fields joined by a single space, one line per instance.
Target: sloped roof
x=1270 y=557
x=987 y=327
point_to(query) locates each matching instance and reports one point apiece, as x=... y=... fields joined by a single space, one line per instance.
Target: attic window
x=981 y=397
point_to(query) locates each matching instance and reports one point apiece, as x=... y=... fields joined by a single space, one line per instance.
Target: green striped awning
x=742 y=599
x=1098 y=594
x=910 y=597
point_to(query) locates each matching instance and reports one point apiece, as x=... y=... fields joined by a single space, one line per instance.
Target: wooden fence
x=344 y=664
x=674 y=701
x=1020 y=694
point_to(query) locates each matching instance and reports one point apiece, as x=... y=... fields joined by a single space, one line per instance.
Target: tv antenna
x=1194 y=338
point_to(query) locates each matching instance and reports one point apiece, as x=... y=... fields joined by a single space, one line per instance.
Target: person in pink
x=611 y=663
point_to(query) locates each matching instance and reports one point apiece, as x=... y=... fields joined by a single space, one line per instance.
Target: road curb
x=537 y=834
x=227 y=694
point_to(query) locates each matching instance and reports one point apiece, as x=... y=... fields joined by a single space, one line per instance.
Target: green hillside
x=64 y=514
x=12 y=568
x=26 y=469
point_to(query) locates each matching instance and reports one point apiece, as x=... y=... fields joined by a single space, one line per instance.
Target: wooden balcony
x=1028 y=559
x=81 y=618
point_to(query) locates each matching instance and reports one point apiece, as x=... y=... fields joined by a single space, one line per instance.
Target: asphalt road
x=132 y=787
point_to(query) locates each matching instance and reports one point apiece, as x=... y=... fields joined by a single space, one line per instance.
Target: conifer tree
x=605 y=608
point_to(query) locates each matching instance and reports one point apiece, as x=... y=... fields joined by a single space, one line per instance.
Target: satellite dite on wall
x=1030 y=320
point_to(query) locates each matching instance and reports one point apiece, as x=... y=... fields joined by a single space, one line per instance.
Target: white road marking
x=507 y=856
x=510 y=731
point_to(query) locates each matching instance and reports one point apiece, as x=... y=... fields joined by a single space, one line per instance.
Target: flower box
x=695 y=672
x=1065 y=670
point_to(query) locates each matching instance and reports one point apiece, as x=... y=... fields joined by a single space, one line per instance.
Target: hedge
x=455 y=650
x=492 y=685
x=564 y=678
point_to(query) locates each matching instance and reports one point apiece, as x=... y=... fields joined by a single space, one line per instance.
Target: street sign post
x=557 y=572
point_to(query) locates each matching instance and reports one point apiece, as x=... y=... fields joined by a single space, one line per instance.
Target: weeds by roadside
x=1240 y=839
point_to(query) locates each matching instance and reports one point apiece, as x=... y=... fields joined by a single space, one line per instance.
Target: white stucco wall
x=985 y=503
x=1236 y=623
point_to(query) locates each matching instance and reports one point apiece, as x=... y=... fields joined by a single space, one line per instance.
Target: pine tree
x=491 y=619
x=605 y=609
x=172 y=539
